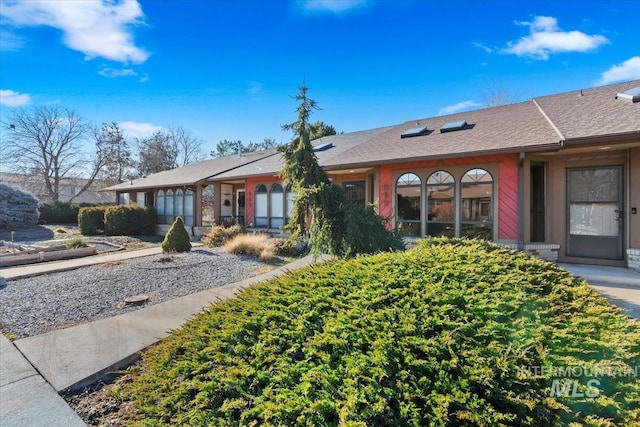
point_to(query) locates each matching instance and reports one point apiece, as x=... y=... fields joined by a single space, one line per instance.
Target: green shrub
x=220 y=234
x=177 y=238
x=366 y=233
x=60 y=212
x=430 y=336
x=130 y=220
x=91 y=220
x=75 y=243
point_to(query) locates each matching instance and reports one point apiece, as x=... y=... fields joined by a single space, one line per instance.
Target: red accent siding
x=508 y=198
x=386 y=193
x=506 y=182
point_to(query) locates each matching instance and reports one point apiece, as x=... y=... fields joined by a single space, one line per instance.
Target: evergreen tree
x=118 y=161
x=336 y=228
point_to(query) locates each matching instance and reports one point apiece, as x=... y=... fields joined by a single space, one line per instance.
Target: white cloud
x=114 y=72
x=9 y=41
x=139 y=130
x=546 y=38
x=628 y=70
x=482 y=46
x=12 y=98
x=96 y=28
x=460 y=106
x=334 y=6
x=144 y=78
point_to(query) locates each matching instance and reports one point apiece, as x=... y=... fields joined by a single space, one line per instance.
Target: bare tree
x=188 y=147
x=45 y=142
x=495 y=94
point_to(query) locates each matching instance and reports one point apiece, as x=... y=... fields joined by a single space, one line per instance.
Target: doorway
x=240 y=203
x=594 y=212
x=537 y=218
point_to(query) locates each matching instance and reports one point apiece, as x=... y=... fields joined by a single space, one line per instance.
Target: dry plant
x=260 y=245
x=110 y=263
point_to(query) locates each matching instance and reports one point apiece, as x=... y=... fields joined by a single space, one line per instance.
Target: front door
x=240 y=209
x=594 y=212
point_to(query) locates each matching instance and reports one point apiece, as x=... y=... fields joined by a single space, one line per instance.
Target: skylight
x=451 y=126
x=413 y=132
x=632 y=94
x=323 y=147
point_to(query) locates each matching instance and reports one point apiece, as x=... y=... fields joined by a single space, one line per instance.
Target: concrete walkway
x=619 y=285
x=34 y=368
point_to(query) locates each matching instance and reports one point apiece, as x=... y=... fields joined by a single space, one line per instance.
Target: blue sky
x=228 y=69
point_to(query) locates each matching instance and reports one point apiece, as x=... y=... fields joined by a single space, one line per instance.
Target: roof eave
x=608 y=138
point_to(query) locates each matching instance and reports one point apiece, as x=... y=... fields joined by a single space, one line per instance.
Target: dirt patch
x=102 y=405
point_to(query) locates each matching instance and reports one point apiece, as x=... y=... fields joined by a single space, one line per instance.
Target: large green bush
x=60 y=212
x=433 y=336
x=177 y=238
x=91 y=220
x=130 y=220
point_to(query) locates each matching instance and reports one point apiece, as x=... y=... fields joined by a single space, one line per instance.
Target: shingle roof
x=595 y=113
x=541 y=124
x=515 y=127
x=328 y=158
x=193 y=173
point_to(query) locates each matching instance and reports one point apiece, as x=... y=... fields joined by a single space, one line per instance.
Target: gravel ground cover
x=40 y=304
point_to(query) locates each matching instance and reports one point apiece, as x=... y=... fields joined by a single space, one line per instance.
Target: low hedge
x=130 y=220
x=433 y=336
x=91 y=220
x=121 y=220
x=60 y=212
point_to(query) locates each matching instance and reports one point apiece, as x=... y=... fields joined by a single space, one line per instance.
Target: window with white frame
x=261 y=206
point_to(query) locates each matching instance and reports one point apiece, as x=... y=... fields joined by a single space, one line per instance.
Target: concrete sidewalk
x=75 y=356
x=34 y=369
x=619 y=285
x=26 y=399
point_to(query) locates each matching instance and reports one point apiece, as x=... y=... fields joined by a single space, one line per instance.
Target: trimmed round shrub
x=177 y=238
x=91 y=220
x=17 y=208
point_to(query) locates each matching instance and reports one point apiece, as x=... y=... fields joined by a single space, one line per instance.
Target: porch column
x=521 y=201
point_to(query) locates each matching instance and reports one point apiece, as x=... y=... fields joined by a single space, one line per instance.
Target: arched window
x=261 y=206
x=188 y=207
x=291 y=199
x=160 y=207
x=168 y=209
x=179 y=201
x=276 y=206
x=477 y=204
x=409 y=204
x=440 y=204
